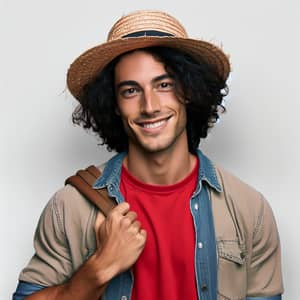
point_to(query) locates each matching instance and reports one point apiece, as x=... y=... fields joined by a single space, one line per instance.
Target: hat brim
x=88 y=65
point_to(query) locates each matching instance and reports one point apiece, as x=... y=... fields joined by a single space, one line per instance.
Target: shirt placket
x=205 y=249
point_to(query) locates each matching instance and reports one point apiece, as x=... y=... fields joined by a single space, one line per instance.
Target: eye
x=166 y=85
x=129 y=92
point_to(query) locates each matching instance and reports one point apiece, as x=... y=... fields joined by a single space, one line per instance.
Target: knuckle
x=111 y=214
x=137 y=224
x=123 y=205
x=125 y=222
x=114 y=214
x=132 y=215
x=144 y=234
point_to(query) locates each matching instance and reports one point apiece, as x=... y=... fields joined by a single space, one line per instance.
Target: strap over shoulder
x=83 y=181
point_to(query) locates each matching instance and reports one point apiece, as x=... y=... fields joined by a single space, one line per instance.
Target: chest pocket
x=232 y=273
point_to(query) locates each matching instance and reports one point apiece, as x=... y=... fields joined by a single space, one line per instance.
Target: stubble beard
x=160 y=146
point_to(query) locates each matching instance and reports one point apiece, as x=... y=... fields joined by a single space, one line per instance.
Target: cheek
x=182 y=117
x=128 y=109
x=181 y=109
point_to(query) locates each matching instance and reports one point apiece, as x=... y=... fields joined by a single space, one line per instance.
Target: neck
x=160 y=168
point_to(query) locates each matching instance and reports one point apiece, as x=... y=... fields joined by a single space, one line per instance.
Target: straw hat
x=142 y=29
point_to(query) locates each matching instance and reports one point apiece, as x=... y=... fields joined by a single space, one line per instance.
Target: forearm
x=122 y=241
x=67 y=292
x=87 y=283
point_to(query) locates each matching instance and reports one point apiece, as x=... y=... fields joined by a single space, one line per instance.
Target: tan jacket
x=247 y=240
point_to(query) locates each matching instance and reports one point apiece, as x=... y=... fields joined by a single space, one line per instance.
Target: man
x=183 y=227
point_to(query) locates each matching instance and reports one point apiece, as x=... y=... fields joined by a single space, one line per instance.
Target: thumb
x=100 y=218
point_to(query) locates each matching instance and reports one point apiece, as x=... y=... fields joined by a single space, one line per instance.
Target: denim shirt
x=205 y=248
x=120 y=287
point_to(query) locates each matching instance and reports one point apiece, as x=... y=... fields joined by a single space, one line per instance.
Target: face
x=153 y=117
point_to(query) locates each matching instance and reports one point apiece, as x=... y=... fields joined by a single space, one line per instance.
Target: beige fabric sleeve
x=242 y=214
x=264 y=274
x=51 y=263
x=63 y=240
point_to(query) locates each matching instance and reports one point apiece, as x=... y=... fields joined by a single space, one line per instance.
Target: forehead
x=138 y=65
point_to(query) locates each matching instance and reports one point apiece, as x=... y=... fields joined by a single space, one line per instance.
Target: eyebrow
x=125 y=83
x=134 y=83
x=161 y=77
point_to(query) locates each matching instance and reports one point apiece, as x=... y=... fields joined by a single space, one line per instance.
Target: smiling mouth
x=152 y=125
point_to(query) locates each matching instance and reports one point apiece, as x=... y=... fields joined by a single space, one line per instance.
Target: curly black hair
x=201 y=89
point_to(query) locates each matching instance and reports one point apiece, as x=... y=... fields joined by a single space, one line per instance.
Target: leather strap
x=83 y=181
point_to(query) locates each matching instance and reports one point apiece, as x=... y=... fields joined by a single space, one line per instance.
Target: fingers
x=131 y=216
x=136 y=225
x=143 y=234
x=125 y=218
x=121 y=208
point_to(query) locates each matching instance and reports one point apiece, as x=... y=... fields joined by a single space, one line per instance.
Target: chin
x=156 y=148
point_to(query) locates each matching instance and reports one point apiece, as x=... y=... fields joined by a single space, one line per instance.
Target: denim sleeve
x=277 y=297
x=25 y=289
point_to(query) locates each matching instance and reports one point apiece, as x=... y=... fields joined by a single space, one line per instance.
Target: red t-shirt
x=165 y=269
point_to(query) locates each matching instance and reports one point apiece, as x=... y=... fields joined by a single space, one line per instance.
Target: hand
x=120 y=240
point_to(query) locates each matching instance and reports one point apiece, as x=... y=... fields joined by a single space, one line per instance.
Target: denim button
x=196 y=206
x=123 y=298
x=203 y=287
x=200 y=245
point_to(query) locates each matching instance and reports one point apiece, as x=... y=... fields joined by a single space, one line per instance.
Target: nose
x=150 y=103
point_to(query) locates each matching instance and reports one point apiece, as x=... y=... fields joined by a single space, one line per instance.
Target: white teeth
x=154 y=125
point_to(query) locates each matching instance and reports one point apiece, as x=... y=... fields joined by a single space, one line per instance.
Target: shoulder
x=239 y=191
x=68 y=214
x=60 y=239
x=246 y=231
x=71 y=207
x=68 y=197
x=69 y=218
x=241 y=203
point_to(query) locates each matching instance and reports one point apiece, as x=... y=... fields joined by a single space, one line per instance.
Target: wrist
x=85 y=283
x=105 y=269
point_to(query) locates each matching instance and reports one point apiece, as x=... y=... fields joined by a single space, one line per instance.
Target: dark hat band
x=147 y=33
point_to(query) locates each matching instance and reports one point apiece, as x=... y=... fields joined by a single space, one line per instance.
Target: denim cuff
x=277 y=297
x=25 y=289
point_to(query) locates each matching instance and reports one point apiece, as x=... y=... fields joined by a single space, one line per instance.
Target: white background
x=257 y=139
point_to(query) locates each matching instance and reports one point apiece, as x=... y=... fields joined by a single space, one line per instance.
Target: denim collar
x=112 y=171
x=207 y=172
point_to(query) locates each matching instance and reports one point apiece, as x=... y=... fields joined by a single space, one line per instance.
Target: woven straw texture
x=88 y=65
